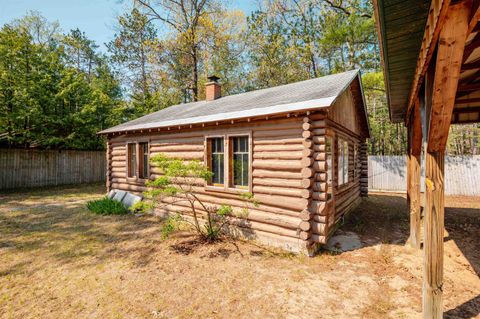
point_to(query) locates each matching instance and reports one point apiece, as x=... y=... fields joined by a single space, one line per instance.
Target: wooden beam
x=433 y=236
x=447 y=73
x=416 y=126
x=413 y=199
x=413 y=176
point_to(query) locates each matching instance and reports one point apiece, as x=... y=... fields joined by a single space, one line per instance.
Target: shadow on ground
x=384 y=219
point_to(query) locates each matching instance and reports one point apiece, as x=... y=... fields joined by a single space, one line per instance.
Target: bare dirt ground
x=57 y=260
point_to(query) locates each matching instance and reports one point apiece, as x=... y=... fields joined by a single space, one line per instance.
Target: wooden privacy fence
x=33 y=168
x=389 y=173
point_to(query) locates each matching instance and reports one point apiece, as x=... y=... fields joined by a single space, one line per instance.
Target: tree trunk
x=195 y=73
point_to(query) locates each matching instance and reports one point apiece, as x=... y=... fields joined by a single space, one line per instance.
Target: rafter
x=471 y=66
x=475 y=17
x=467 y=101
x=474 y=109
x=468 y=87
x=475 y=43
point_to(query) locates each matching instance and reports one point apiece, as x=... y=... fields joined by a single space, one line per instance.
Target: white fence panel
x=389 y=173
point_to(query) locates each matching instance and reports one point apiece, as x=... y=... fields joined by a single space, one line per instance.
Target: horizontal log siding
x=345 y=196
x=276 y=175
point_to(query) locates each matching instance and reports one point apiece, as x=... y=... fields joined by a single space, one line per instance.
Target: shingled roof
x=305 y=95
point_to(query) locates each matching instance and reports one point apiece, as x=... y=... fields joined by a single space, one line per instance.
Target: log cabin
x=298 y=148
x=431 y=59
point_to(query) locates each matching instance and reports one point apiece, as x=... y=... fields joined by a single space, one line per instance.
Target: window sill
x=230 y=190
x=137 y=180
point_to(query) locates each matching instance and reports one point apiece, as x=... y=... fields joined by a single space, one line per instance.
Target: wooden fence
x=33 y=168
x=388 y=173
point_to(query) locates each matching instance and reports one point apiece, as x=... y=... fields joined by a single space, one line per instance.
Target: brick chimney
x=213 y=89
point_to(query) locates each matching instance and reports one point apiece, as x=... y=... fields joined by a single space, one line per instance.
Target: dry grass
x=60 y=261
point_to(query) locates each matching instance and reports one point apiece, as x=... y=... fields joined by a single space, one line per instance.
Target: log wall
x=289 y=169
x=345 y=196
x=345 y=120
x=315 y=217
x=280 y=162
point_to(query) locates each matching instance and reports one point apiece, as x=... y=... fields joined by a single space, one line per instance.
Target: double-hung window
x=228 y=158
x=137 y=160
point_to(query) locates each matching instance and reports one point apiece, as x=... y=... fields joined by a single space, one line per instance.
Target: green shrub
x=177 y=182
x=171 y=224
x=107 y=206
x=141 y=207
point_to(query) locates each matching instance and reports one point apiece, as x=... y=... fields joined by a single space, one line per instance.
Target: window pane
x=144 y=160
x=345 y=161
x=240 y=158
x=132 y=160
x=217 y=160
x=245 y=170
x=340 y=162
x=328 y=151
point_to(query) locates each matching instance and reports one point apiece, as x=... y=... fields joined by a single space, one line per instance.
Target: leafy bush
x=107 y=206
x=171 y=224
x=141 y=207
x=177 y=183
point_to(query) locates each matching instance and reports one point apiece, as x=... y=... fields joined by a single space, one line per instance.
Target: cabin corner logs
x=299 y=204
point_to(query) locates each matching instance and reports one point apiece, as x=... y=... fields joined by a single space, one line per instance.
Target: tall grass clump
x=106 y=206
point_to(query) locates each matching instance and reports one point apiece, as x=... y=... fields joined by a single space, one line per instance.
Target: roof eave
x=380 y=26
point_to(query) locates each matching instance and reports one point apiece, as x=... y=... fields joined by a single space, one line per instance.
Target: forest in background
x=58 y=89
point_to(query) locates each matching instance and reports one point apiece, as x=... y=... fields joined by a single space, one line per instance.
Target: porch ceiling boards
x=401 y=25
x=467 y=102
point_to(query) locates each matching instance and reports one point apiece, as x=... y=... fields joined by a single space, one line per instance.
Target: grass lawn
x=57 y=260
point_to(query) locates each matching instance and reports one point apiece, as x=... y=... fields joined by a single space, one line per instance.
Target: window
x=137 y=160
x=329 y=153
x=238 y=163
x=143 y=148
x=132 y=159
x=342 y=162
x=355 y=159
x=228 y=158
x=216 y=160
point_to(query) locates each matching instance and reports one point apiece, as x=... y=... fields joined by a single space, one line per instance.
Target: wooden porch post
x=451 y=45
x=413 y=175
x=434 y=228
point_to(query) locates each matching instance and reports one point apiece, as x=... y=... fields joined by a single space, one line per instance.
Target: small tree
x=178 y=183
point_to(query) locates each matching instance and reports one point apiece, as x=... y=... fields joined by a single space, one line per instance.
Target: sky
x=94 y=17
